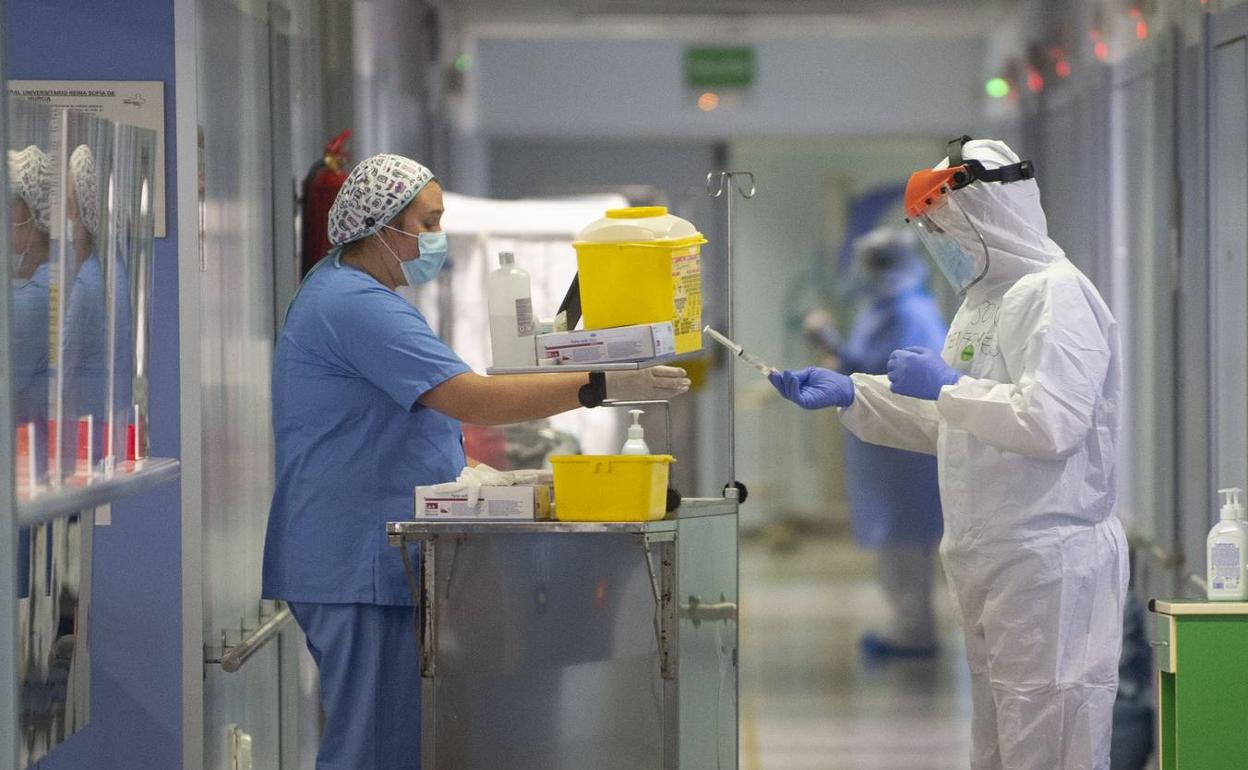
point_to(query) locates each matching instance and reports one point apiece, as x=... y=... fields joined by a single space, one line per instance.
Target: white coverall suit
x=1026 y=448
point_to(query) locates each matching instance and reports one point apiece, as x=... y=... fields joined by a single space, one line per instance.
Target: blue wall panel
x=136 y=615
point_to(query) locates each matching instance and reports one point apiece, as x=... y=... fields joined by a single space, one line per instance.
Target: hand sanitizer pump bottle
x=636 y=444
x=1227 y=552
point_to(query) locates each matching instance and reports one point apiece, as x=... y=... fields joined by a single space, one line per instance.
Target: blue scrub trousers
x=370 y=684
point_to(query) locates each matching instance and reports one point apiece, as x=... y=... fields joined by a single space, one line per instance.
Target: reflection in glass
x=79 y=250
x=96 y=341
x=49 y=225
x=129 y=281
x=53 y=660
x=34 y=250
x=80 y=262
x=30 y=204
x=84 y=343
x=30 y=216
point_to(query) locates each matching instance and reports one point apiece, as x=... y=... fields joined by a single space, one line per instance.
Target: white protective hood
x=1009 y=217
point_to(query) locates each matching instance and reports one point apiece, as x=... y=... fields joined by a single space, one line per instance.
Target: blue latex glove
x=920 y=373
x=814 y=387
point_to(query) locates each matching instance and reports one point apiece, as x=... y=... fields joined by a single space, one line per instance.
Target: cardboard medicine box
x=601 y=346
x=521 y=502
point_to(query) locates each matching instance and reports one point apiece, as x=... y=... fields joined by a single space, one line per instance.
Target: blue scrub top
x=30 y=384
x=30 y=350
x=352 y=441
x=894 y=496
x=85 y=349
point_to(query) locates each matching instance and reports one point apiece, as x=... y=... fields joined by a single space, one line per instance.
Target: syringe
x=739 y=352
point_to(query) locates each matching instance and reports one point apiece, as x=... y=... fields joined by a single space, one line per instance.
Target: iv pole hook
x=716 y=187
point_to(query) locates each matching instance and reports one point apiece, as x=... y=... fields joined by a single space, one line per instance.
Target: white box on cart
x=521 y=502
x=602 y=346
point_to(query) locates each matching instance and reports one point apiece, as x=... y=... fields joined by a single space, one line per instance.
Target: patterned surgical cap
x=375 y=191
x=30 y=178
x=86 y=189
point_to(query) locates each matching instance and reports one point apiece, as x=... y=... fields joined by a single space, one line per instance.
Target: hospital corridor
x=624 y=385
x=809 y=700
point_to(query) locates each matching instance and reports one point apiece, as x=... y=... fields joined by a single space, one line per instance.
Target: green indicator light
x=463 y=62
x=997 y=88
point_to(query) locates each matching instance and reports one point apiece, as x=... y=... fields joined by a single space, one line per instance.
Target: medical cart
x=1202 y=684
x=567 y=645
x=563 y=646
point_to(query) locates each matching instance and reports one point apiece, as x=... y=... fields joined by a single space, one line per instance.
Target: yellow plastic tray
x=611 y=487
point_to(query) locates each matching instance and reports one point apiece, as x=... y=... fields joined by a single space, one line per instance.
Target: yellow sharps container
x=640 y=266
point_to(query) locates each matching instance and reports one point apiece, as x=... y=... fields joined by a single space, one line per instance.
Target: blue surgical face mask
x=426 y=266
x=948 y=250
x=25 y=249
x=954 y=261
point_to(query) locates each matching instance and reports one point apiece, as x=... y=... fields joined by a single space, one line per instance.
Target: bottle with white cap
x=636 y=443
x=512 y=326
x=1227 y=552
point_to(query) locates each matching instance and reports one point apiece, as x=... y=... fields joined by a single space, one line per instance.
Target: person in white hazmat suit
x=1021 y=411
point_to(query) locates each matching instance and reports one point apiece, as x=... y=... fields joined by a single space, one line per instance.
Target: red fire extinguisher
x=320 y=187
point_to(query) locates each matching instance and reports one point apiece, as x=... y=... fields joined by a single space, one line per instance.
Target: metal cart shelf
x=561 y=645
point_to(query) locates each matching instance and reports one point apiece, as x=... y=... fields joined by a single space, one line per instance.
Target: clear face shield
x=946 y=232
x=944 y=227
x=955 y=243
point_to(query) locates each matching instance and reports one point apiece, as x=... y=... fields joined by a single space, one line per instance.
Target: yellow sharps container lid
x=639 y=224
x=637 y=212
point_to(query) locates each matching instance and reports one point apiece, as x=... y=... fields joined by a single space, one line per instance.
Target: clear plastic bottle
x=512 y=325
x=1226 y=556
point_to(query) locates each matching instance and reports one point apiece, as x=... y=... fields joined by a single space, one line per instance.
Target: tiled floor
x=809 y=702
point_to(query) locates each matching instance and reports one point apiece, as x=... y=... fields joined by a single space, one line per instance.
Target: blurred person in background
x=894 y=496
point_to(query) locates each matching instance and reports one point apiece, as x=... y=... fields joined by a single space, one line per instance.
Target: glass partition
x=129 y=287
x=80 y=253
x=34 y=219
x=79 y=250
x=85 y=355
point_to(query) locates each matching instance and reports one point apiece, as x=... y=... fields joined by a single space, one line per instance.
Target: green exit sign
x=719 y=67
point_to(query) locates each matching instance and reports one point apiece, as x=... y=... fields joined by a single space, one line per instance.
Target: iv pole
x=720 y=184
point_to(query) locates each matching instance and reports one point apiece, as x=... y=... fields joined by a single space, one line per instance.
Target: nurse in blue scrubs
x=85 y=349
x=30 y=280
x=30 y=221
x=367 y=404
x=893 y=494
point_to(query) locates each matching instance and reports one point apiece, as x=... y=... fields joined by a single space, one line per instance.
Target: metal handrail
x=233 y=657
x=70 y=499
x=1168 y=559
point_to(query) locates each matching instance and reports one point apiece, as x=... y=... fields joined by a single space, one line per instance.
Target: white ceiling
x=740 y=18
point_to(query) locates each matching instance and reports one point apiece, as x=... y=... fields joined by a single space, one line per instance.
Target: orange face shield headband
x=929 y=187
x=932 y=190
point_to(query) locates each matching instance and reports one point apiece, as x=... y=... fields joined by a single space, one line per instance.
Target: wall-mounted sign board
x=136 y=102
x=719 y=66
